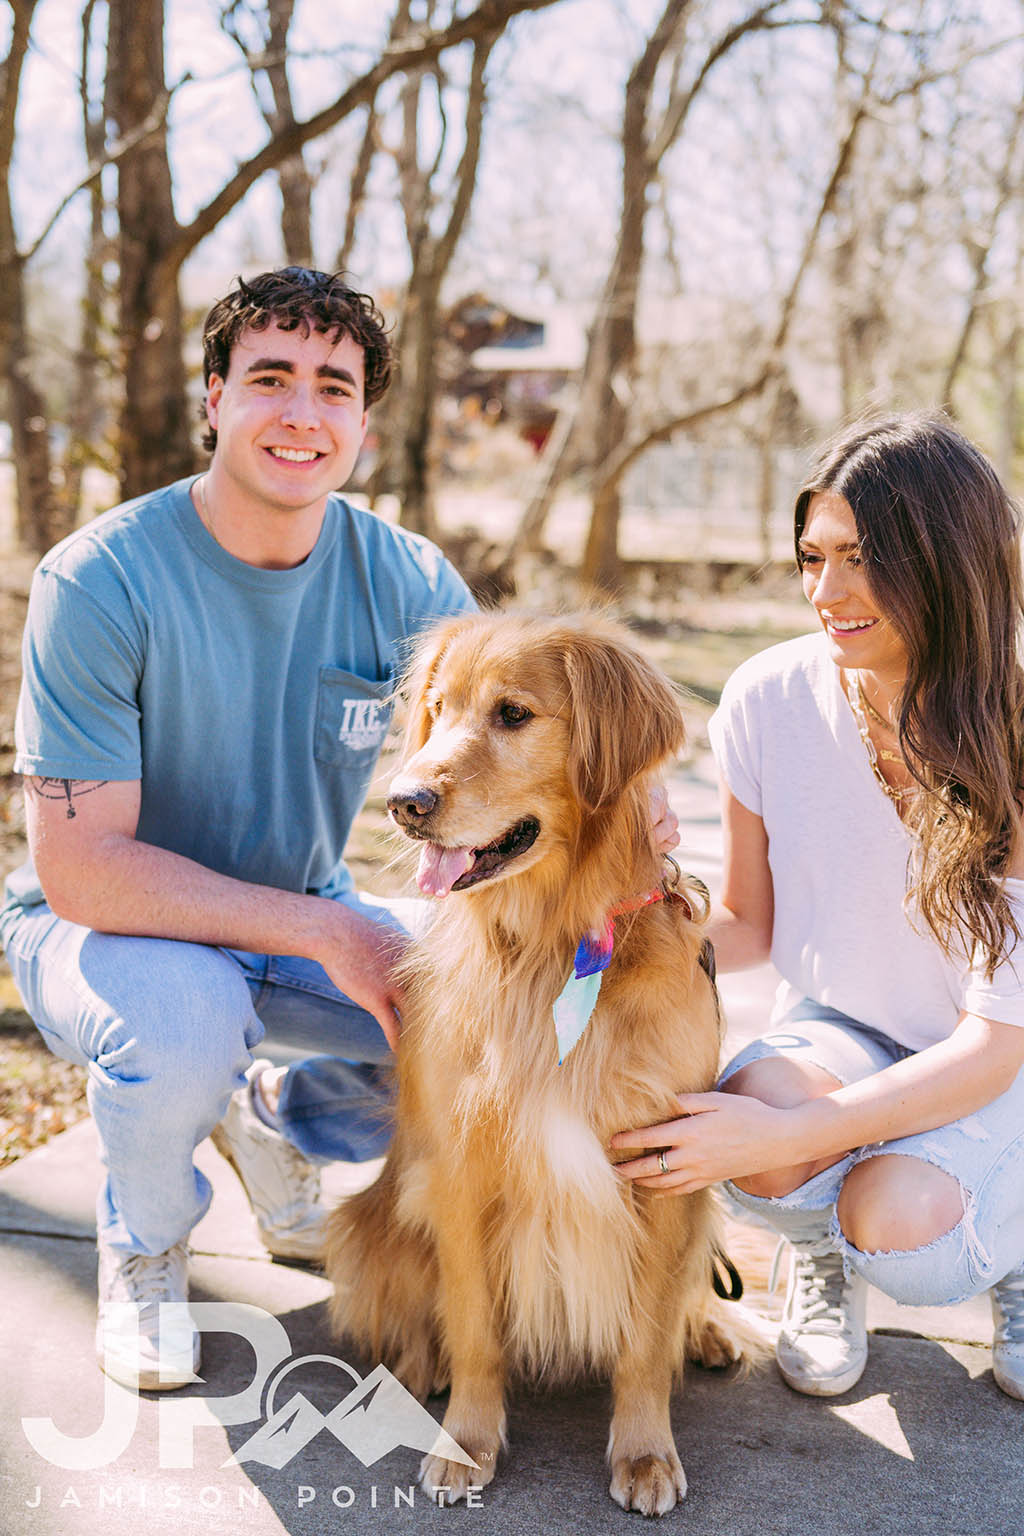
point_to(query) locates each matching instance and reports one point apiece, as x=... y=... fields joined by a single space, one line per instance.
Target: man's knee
x=894 y=1204
x=170 y=1011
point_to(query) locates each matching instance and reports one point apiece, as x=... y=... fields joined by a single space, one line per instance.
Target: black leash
x=735 y=1287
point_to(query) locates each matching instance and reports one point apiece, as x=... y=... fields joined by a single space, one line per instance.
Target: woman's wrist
x=821 y=1129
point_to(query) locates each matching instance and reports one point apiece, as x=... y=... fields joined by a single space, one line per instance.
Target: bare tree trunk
x=602 y=412
x=1007 y=375
x=767 y=477
x=270 y=25
x=296 y=212
x=295 y=181
x=411 y=421
x=554 y=467
x=358 y=181
x=628 y=453
x=35 y=523
x=155 y=430
x=612 y=353
x=85 y=411
x=1007 y=379
x=980 y=249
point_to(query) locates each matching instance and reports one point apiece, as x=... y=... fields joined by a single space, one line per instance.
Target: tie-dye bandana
x=578 y=998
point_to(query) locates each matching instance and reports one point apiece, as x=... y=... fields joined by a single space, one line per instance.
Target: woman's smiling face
x=836 y=585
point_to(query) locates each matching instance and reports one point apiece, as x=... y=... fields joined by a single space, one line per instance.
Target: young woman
x=872 y=786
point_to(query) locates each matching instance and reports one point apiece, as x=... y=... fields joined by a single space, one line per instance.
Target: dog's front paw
x=651 y=1484
x=448 y=1481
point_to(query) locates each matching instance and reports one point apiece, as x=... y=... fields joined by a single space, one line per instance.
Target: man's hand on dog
x=719 y=1136
x=360 y=956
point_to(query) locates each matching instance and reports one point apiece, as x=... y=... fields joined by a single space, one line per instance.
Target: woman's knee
x=783 y=1083
x=895 y=1204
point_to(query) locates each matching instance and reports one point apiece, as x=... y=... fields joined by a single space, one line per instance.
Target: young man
x=207 y=672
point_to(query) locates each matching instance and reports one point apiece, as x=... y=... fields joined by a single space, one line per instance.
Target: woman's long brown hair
x=939 y=537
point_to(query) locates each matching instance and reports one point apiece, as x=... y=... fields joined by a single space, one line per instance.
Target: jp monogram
x=374 y=1415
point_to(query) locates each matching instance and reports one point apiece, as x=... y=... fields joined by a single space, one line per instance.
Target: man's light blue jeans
x=166 y=1032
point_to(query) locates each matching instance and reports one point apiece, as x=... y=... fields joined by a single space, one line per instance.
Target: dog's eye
x=434 y=706
x=514 y=714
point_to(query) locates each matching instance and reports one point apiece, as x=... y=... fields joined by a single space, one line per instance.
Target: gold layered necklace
x=875 y=714
x=861 y=706
x=885 y=753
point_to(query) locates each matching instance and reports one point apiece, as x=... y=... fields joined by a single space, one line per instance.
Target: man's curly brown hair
x=302 y=299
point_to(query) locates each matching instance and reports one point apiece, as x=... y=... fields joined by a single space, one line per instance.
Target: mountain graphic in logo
x=376 y=1417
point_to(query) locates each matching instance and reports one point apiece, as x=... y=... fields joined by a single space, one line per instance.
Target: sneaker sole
x=1012 y=1386
x=149 y=1381
x=829 y=1386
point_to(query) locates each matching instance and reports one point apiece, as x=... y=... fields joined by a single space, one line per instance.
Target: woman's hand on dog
x=718 y=1136
x=664 y=820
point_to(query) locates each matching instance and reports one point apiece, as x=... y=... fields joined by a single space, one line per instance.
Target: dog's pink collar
x=638 y=902
x=578 y=998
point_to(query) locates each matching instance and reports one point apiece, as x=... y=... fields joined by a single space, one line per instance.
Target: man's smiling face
x=290 y=416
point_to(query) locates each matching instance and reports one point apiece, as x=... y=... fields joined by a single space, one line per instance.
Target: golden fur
x=498 y=1237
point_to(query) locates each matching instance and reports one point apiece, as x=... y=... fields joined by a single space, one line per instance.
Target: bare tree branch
x=117 y=151
x=933 y=76
x=411 y=53
x=1007 y=188
x=611 y=473
x=358 y=181
x=465 y=176
x=681 y=100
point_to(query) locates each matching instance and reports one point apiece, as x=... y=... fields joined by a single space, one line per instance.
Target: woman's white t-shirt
x=788 y=749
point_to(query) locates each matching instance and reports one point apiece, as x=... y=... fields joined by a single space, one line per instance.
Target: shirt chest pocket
x=352 y=719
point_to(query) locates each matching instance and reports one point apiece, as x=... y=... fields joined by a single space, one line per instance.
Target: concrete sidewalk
x=925 y=1444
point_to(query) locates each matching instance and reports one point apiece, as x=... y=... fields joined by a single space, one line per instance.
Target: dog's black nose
x=411 y=803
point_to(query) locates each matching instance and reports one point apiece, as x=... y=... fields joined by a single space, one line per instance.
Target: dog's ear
x=625 y=718
x=420 y=673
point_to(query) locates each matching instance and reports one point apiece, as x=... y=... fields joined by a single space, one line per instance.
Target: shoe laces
x=302 y=1179
x=817 y=1298
x=143 y=1278
x=1009 y=1295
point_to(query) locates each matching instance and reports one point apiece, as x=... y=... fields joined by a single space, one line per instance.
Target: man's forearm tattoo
x=67 y=790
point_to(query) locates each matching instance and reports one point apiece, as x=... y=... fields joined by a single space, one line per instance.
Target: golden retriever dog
x=499 y=1238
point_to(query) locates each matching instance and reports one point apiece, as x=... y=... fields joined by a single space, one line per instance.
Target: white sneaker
x=283 y=1186
x=131 y=1345
x=822 y=1347
x=1008 y=1342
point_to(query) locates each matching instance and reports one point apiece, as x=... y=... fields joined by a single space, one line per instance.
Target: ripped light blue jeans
x=166 y=1032
x=984 y=1152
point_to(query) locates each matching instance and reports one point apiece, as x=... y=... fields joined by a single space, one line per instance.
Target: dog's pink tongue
x=441 y=867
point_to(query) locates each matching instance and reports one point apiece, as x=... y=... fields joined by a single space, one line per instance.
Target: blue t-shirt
x=251 y=704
